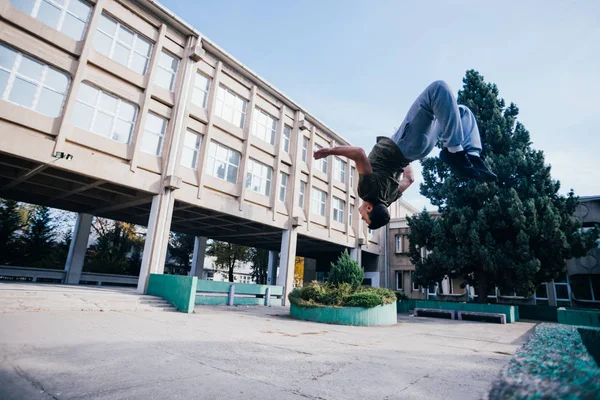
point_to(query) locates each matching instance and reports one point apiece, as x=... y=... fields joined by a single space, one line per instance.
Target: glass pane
x=541 y=291
x=56 y=80
x=198 y=98
x=79 y=8
x=169 y=62
x=73 y=27
x=143 y=46
x=3 y=79
x=49 y=14
x=562 y=292
x=248 y=180
x=190 y=139
x=122 y=131
x=88 y=94
x=138 y=63
x=201 y=81
x=107 y=24
x=82 y=116
x=121 y=54
x=24 y=5
x=232 y=174
x=31 y=69
x=268 y=188
x=22 y=93
x=127 y=111
x=221 y=153
x=227 y=114
x=50 y=103
x=163 y=79
x=151 y=143
x=107 y=103
x=7 y=57
x=102 y=43
x=125 y=35
x=187 y=158
x=234 y=158
x=103 y=124
x=220 y=170
x=155 y=124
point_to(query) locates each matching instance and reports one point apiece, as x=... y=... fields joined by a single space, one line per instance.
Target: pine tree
x=38 y=239
x=116 y=250
x=260 y=265
x=10 y=223
x=515 y=233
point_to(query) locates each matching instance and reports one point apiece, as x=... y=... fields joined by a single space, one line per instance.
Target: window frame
x=400 y=279
x=305 y=144
x=270 y=118
x=286 y=135
x=321 y=164
x=212 y=155
x=195 y=151
x=64 y=10
x=336 y=211
x=302 y=195
x=168 y=71
x=352 y=172
x=161 y=135
x=226 y=91
x=322 y=201
x=197 y=89
x=251 y=176
x=350 y=214
x=283 y=177
x=339 y=169
x=412 y=282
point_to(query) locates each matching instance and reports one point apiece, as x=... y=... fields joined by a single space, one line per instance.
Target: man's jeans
x=435 y=115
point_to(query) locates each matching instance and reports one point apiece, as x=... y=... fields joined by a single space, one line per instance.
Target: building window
x=304 y=148
x=339 y=206
x=321 y=164
x=302 y=193
x=352 y=172
x=154 y=134
x=104 y=114
x=318 y=201
x=166 y=71
x=223 y=162
x=230 y=106
x=122 y=45
x=339 y=169
x=258 y=178
x=31 y=84
x=283 y=182
x=285 y=139
x=399 y=280
x=200 y=92
x=413 y=278
x=401 y=244
x=264 y=126
x=67 y=16
x=191 y=149
x=350 y=213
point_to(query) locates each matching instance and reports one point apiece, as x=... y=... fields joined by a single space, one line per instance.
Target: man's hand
x=321 y=153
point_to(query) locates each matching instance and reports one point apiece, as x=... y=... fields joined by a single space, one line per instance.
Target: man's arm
x=407 y=179
x=357 y=154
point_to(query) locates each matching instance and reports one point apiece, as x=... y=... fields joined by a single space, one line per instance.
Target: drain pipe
x=386 y=257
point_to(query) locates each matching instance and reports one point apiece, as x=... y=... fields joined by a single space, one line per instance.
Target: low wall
x=579 y=317
x=380 y=315
x=178 y=290
x=538 y=313
x=511 y=312
x=406 y=305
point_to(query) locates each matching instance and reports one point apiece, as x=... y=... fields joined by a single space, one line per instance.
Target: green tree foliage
x=260 y=264
x=228 y=255
x=10 y=224
x=346 y=270
x=515 y=233
x=38 y=241
x=181 y=250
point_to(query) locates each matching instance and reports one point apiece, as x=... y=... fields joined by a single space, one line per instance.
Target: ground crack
x=33 y=382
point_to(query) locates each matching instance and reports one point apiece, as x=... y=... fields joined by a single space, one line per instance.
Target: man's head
x=375 y=215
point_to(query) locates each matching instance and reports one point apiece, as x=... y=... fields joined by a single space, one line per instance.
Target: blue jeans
x=433 y=116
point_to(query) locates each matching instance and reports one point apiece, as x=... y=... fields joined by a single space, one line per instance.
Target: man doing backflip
x=386 y=172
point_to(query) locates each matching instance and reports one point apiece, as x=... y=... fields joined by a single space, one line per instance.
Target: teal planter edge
x=178 y=290
x=581 y=317
x=381 y=315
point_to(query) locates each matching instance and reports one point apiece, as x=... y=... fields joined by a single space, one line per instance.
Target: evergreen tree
x=116 y=250
x=515 y=233
x=38 y=239
x=346 y=270
x=260 y=265
x=228 y=255
x=10 y=223
x=181 y=250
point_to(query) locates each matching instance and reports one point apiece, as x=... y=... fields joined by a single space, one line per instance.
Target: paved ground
x=245 y=353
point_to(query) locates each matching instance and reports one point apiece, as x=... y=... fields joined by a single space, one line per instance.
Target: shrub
x=364 y=299
x=346 y=270
x=401 y=296
x=343 y=294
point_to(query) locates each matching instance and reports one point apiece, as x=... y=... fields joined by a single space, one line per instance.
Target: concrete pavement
x=246 y=353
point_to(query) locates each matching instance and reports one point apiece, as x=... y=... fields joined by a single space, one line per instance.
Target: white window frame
x=338 y=209
x=322 y=163
x=352 y=172
x=253 y=176
x=64 y=10
x=350 y=214
x=305 y=141
x=169 y=71
x=115 y=115
x=212 y=157
x=283 y=183
x=220 y=104
x=302 y=195
x=414 y=287
x=339 y=169
x=132 y=49
x=286 y=135
x=319 y=203
x=399 y=242
x=40 y=85
x=161 y=135
x=268 y=130
x=197 y=89
x=195 y=150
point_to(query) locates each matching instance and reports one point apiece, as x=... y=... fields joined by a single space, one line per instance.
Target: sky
x=358 y=65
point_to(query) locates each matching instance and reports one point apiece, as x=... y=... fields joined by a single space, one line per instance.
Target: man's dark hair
x=379 y=216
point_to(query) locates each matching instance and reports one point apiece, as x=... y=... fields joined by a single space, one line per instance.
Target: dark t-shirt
x=388 y=163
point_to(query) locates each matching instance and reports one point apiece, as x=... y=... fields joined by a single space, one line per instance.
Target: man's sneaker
x=485 y=174
x=459 y=163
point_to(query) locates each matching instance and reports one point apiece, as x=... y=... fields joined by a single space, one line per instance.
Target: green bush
x=364 y=299
x=343 y=294
x=401 y=296
x=346 y=270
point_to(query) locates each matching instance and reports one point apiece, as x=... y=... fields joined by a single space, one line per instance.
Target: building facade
x=119 y=109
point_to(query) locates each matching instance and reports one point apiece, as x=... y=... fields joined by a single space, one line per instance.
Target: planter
x=380 y=315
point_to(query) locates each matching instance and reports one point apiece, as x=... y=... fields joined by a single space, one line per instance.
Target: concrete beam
x=79 y=241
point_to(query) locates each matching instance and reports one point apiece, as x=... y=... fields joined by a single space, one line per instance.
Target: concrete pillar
x=272 y=268
x=355 y=254
x=79 y=241
x=157 y=236
x=287 y=262
x=198 y=258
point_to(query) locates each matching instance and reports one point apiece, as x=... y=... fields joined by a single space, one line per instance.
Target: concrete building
x=119 y=109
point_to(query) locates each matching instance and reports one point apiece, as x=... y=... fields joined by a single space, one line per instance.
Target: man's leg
x=472 y=144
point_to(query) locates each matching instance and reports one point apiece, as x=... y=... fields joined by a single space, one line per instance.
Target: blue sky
x=358 y=65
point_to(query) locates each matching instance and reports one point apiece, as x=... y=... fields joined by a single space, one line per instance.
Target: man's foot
x=485 y=174
x=459 y=163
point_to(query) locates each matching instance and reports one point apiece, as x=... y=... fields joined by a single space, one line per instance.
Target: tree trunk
x=482 y=290
x=231 y=267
